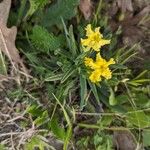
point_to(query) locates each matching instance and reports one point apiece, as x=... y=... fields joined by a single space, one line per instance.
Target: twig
x=11 y=137
x=16 y=118
x=6 y=49
x=10 y=134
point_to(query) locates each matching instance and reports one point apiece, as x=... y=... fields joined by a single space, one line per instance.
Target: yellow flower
x=100 y=68
x=94 y=39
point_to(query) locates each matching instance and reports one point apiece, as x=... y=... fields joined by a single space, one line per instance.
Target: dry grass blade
x=8 y=36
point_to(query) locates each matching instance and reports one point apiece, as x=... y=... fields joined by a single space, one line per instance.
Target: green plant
x=45 y=41
x=76 y=86
x=62 y=8
x=37 y=142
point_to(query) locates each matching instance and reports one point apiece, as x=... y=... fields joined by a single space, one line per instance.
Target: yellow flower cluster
x=94 y=39
x=99 y=67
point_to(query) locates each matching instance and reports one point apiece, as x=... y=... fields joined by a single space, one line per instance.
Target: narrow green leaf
x=66 y=33
x=118 y=66
x=141 y=80
x=129 y=57
x=126 y=53
x=40 y=120
x=141 y=74
x=67 y=74
x=138 y=82
x=94 y=90
x=54 y=77
x=83 y=91
x=57 y=130
x=69 y=130
x=112 y=99
x=73 y=47
x=21 y=11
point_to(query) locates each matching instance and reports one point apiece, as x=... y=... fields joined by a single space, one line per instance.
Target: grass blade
x=83 y=91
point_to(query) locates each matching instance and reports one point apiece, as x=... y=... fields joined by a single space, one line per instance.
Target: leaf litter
x=131 y=20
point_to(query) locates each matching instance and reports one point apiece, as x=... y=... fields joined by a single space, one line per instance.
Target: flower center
x=102 y=68
x=96 y=38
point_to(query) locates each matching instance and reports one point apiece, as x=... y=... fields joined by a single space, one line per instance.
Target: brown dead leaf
x=86 y=8
x=8 y=36
x=124 y=140
x=132 y=32
x=131 y=25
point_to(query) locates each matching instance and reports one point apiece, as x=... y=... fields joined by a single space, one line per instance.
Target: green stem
x=97 y=11
x=21 y=10
x=104 y=128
